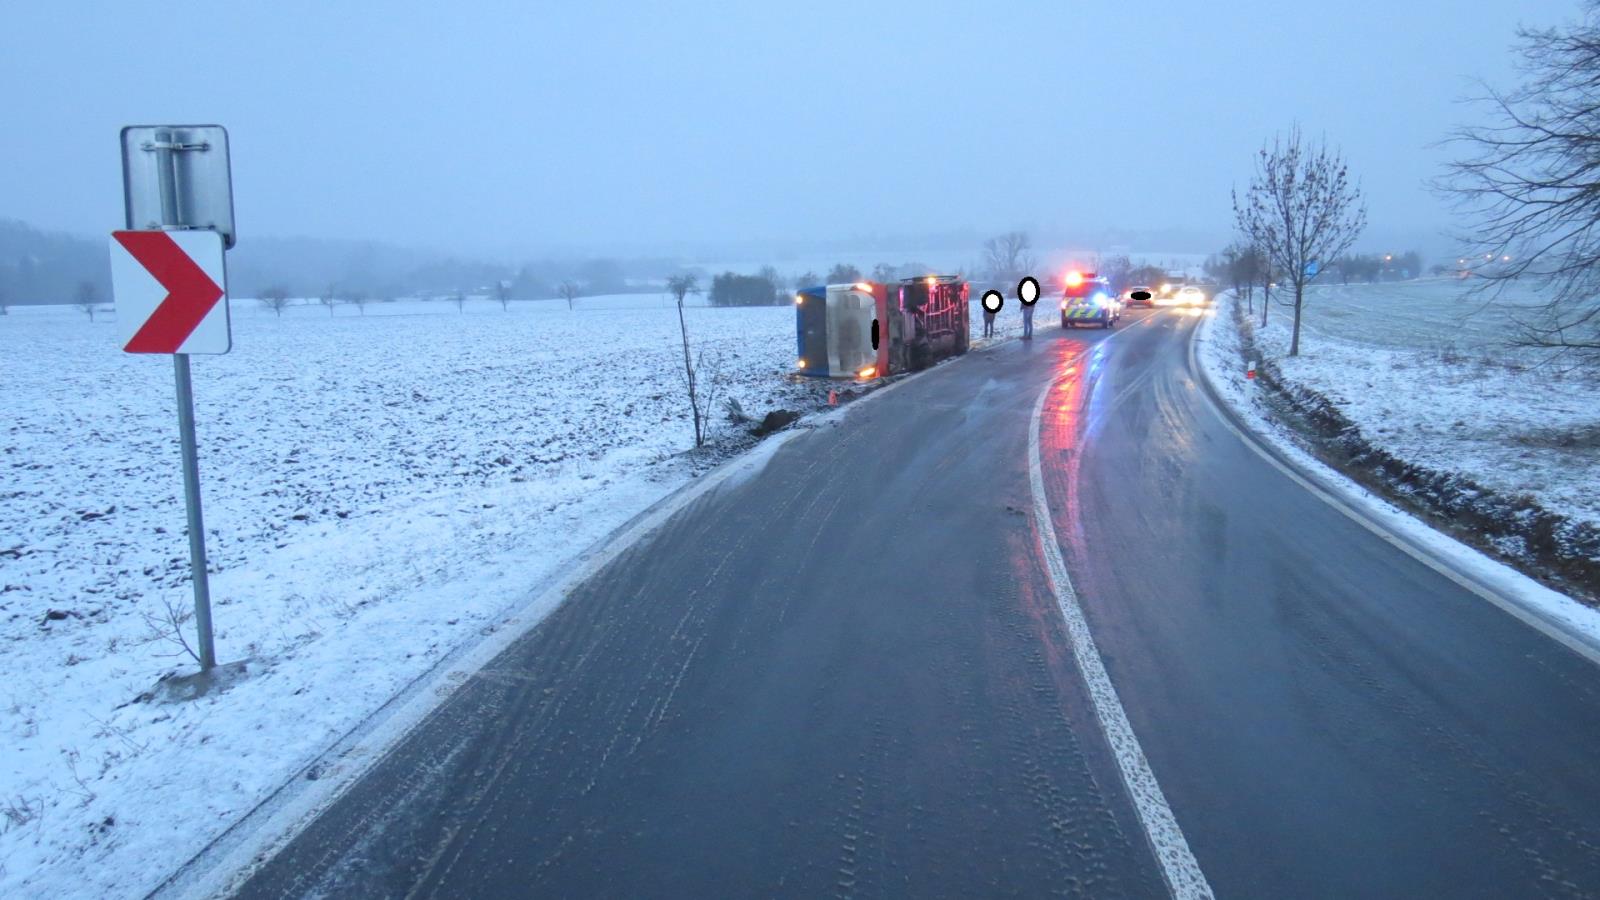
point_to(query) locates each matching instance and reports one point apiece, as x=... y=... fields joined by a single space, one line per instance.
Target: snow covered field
x=379 y=489
x=1427 y=375
x=1432 y=314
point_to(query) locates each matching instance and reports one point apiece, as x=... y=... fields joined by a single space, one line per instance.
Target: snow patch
x=1219 y=354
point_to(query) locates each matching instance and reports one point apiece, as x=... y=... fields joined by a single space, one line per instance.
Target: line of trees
x=1373 y=267
x=730 y=289
x=1523 y=182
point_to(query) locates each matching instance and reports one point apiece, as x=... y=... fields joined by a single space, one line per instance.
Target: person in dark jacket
x=1028 y=293
x=992 y=301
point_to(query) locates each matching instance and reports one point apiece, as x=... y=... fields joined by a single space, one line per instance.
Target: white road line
x=1327 y=493
x=1178 y=865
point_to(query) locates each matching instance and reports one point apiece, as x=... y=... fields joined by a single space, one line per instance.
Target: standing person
x=992 y=301
x=1028 y=293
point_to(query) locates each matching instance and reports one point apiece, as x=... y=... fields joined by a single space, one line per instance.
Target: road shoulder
x=1218 y=360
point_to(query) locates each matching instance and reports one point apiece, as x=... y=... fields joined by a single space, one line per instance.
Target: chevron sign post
x=169 y=292
x=170 y=283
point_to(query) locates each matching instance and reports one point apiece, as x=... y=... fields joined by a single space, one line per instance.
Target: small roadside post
x=169 y=283
x=1250 y=371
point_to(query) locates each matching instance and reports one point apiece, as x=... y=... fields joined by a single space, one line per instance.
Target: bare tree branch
x=1008 y=257
x=570 y=291
x=1529 y=181
x=275 y=298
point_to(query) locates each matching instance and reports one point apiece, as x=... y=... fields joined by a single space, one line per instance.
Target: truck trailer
x=868 y=330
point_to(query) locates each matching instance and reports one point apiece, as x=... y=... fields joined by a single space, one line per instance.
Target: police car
x=1088 y=300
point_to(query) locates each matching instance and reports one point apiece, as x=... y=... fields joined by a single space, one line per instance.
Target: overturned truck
x=868 y=330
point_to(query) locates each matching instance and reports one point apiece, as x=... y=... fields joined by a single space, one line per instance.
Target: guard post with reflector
x=170 y=286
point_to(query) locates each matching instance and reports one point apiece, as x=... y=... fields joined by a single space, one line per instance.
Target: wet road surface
x=848 y=676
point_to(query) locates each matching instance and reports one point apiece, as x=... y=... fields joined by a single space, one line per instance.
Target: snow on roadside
x=379 y=489
x=1473 y=406
x=1218 y=350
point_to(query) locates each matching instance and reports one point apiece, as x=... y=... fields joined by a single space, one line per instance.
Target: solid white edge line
x=1178 y=864
x=1328 y=487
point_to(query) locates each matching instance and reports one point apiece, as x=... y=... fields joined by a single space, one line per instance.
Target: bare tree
x=805 y=280
x=1264 y=277
x=1116 y=268
x=502 y=292
x=771 y=277
x=571 y=290
x=1527 y=183
x=87 y=298
x=1240 y=270
x=1302 y=210
x=681 y=286
x=358 y=299
x=329 y=298
x=1008 y=257
x=460 y=299
x=5 y=304
x=275 y=298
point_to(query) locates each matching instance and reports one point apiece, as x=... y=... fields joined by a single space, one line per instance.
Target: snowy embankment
x=1427 y=378
x=379 y=490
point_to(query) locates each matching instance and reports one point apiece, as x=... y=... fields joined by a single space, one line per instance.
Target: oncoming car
x=1189 y=295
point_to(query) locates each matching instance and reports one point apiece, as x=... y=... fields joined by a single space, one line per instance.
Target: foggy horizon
x=502 y=132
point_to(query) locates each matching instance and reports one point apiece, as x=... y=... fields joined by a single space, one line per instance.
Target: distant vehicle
x=1189 y=295
x=1139 y=295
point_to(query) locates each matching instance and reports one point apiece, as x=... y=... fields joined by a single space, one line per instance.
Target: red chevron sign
x=169 y=288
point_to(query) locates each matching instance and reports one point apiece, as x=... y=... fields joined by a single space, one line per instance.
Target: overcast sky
x=530 y=127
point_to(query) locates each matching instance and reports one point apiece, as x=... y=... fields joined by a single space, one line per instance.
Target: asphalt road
x=848 y=675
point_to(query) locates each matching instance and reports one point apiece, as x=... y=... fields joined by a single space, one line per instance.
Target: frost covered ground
x=1426 y=372
x=379 y=489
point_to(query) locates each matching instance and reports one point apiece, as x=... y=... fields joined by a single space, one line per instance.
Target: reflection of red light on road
x=1059 y=442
